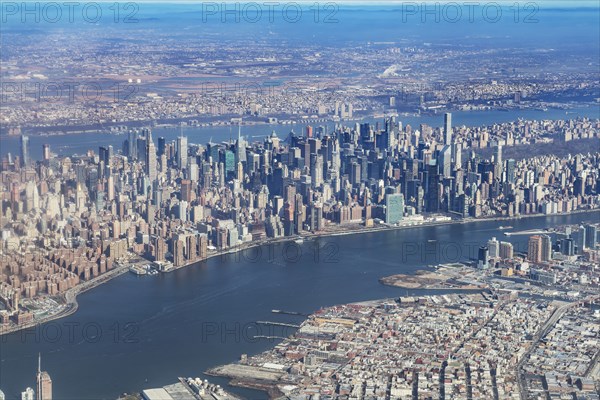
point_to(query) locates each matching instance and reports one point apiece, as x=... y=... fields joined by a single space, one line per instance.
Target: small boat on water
x=431 y=241
x=505 y=227
x=299 y=241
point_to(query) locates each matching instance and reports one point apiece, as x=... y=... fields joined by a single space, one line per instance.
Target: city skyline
x=298 y=201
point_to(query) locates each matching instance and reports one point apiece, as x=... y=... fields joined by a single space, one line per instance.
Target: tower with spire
x=240 y=146
x=44 y=383
x=150 y=157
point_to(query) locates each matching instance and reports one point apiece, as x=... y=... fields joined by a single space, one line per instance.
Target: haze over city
x=300 y=200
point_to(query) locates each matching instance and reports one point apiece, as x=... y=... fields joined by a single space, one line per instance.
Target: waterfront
x=181 y=324
x=80 y=143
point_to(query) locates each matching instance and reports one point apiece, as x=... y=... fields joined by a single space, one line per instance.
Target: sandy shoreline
x=71 y=304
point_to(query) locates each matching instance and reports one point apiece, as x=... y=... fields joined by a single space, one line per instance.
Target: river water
x=136 y=332
x=80 y=143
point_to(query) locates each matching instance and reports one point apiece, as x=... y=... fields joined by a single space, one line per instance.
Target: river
x=136 y=332
x=80 y=143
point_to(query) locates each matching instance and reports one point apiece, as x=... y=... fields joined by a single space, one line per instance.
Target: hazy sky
x=541 y=3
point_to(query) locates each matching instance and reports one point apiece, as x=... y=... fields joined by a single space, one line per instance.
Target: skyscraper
x=44 y=383
x=534 y=249
x=483 y=256
x=132 y=145
x=448 y=129
x=494 y=248
x=24 y=150
x=104 y=155
x=579 y=239
x=506 y=250
x=182 y=151
x=546 y=248
x=394 y=208
x=161 y=145
x=46 y=157
x=28 y=394
x=186 y=190
x=591 y=235
x=510 y=170
x=445 y=161
x=498 y=163
x=240 y=147
x=150 y=156
x=316 y=169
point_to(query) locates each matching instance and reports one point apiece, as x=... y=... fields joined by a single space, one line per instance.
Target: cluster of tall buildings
x=569 y=243
x=177 y=201
x=43 y=386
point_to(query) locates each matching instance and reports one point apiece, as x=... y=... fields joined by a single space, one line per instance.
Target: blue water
x=69 y=144
x=182 y=323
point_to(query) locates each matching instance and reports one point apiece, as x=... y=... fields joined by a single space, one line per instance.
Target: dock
x=277 y=324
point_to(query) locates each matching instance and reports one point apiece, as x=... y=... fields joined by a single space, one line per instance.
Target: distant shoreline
x=224 y=121
x=70 y=296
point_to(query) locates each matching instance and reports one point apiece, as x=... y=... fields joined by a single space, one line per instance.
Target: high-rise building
x=506 y=250
x=44 y=383
x=534 y=249
x=483 y=256
x=178 y=246
x=240 y=147
x=182 y=151
x=28 y=394
x=24 y=150
x=457 y=155
x=510 y=170
x=567 y=247
x=161 y=146
x=183 y=207
x=104 y=155
x=579 y=239
x=394 y=208
x=591 y=236
x=445 y=161
x=498 y=163
x=546 y=248
x=141 y=148
x=150 y=157
x=132 y=145
x=494 y=248
x=447 y=129
x=45 y=157
x=316 y=170
x=186 y=190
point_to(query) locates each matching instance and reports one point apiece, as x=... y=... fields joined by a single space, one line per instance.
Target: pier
x=289 y=313
x=529 y=232
x=268 y=337
x=277 y=324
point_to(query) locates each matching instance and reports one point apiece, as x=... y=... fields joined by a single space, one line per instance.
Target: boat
x=431 y=241
x=299 y=241
x=505 y=227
